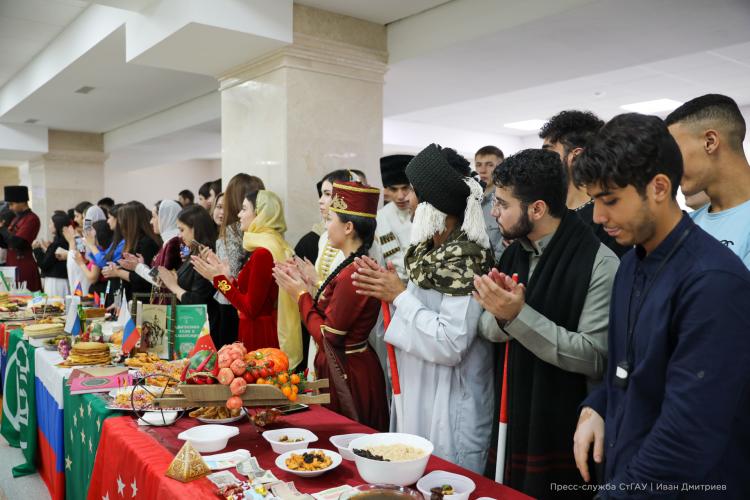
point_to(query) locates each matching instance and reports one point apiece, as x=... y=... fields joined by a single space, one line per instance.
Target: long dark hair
x=116 y=233
x=237 y=189
x=134 y=221
x=200 y=221
x=104 y=235
x=365 y=229
x=60 y=219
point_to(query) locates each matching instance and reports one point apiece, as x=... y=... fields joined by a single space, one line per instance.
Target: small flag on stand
x=78 y=290
x=204 y=341
x=97 y=300
x=130 y=332
x=72 y=320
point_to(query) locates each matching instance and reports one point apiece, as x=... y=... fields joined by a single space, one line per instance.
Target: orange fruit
x=286 y=390
x=283 y=378
x=293 y=396
x=294 y=379
x=295 y=389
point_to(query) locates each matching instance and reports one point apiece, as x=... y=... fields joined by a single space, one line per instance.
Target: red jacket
x=17 y=239
x=255 y=295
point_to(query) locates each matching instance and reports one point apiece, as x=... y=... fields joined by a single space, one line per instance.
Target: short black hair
x=571 y=128
x=216 y=186
x=630 y=150
x=106 y=202
x=490 y=150
x=188 y=195
x=716 y=108
x=205 y=189
x=535 y=174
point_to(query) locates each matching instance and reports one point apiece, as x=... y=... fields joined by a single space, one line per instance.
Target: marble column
x=306 y=109
x=72 y=171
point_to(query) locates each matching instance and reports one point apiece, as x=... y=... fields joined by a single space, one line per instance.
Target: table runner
x=141 y=455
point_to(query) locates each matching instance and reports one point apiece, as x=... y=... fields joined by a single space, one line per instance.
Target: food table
x=132 y=459
x=83 y=450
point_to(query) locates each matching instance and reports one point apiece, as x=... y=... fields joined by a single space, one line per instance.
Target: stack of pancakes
x=43 y=330
x=89 y=353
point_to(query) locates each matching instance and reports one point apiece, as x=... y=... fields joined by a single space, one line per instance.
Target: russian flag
x=131 y=333
x=50 y=427
x=97 y=300
x=79 y=290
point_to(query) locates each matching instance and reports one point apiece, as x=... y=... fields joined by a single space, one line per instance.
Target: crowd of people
x=557 y=320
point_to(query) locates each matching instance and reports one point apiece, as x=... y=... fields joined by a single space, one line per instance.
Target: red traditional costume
x=254 y=294
x=17 y=238
x=342 y=322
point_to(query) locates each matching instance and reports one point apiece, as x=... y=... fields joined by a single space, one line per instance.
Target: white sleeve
x=441 y=337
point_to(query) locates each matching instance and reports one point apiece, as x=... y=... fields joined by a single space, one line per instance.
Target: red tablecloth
x=131 y=453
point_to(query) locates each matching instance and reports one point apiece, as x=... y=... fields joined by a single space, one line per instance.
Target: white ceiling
x=379 y=11
x=27 y=26
x=122 y=93
x=725 y=71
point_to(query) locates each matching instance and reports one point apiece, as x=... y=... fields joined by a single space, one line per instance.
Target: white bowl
x=281 y=462
x=158 y=418
x=209 y=438
x=401 y=473
x=341 y=442
x=462 y=485
x=275 y=435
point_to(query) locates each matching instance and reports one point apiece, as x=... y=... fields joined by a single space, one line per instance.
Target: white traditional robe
x=446 y=374
x=392 y=237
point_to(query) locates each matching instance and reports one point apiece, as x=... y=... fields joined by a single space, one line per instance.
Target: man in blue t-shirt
x=710 y=130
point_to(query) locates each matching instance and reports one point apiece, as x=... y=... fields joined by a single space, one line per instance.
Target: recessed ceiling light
x=31 y=120
x=84 y=90
x=526 y=125
x=654 y=106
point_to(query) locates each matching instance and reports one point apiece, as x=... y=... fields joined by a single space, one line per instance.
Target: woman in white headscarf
x=164 y=222
x=78 y=279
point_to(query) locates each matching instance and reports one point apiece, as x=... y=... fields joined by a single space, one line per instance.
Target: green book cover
x=188 y=323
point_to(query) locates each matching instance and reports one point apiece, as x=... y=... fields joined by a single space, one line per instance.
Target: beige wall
x=149 y=185
x=9 y=176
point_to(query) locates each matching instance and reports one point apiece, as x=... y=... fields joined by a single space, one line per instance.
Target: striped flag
x=502 y=431
x=78 y=292
x=131 y=333
x=72 y=320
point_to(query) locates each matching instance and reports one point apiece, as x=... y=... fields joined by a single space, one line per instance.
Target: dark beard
x=520 y=230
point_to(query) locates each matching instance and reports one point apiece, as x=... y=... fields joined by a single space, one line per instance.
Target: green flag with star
x=19 y=402
x=83 y=417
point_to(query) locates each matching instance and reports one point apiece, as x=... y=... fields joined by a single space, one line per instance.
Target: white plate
x=281 y=462
x=222 y=420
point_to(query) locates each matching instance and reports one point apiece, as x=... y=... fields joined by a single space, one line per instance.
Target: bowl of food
x=288 y=439
x=380 y=492
x=209 y=438
x=391 y=458
x=342 y=441
x=442 y=485
x=308 y=462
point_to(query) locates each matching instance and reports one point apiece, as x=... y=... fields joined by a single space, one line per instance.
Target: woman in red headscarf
x=339 y=319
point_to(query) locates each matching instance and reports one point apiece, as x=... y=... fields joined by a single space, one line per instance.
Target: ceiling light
x=526 y=125
x=84 y=90
x=31 y=120
x=655 y=106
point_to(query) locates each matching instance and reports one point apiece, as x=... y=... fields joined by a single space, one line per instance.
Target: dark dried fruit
x=368 y=454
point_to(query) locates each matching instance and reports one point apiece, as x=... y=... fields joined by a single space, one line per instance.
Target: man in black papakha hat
x=443 y=364
x=18 y=236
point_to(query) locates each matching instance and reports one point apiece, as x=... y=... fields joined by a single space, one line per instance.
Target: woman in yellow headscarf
x=267 y=318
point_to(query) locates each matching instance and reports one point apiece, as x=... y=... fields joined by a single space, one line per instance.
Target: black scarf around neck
x=543 y=399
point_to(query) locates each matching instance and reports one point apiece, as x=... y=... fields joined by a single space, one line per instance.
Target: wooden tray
x=255 y=396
